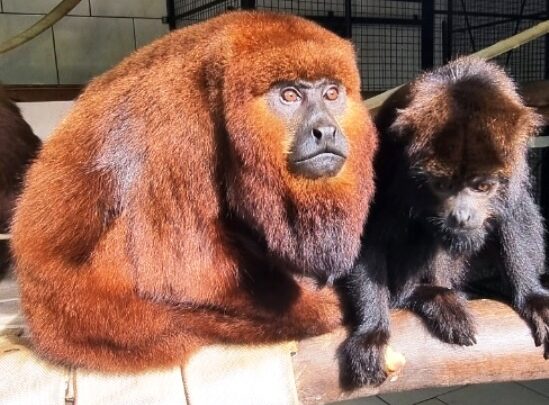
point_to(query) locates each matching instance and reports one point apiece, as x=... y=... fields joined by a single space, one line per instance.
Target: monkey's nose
x=324 y=134
x=460 y=218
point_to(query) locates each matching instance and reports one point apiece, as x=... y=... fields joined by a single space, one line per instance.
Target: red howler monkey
x=453 y=213
x=18 y=146
x=194 y=194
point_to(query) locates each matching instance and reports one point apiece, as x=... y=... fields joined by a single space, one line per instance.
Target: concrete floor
x=513 y=393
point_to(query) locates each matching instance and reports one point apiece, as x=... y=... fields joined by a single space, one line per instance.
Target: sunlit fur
x=161 y=216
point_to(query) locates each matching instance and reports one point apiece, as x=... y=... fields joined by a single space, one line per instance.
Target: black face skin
x=458 y=210
x=431 y=241
x=309 y=109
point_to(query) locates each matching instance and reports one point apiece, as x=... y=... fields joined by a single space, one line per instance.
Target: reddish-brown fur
x=161 y=215
x=18 y=146
x=447 y=124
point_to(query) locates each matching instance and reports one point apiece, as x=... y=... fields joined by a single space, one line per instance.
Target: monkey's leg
x=362 y=355
x=523 y=257
x=444 y=312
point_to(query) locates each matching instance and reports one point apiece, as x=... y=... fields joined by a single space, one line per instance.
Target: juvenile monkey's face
x=315 y=143
x=461 y=208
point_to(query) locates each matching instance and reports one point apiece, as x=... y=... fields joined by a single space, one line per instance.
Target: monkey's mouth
x=325 y=163
x=461 y=241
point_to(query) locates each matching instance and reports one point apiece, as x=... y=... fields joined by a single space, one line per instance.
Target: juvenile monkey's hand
x=362 y=359
x=536 y=311
x=447 y=317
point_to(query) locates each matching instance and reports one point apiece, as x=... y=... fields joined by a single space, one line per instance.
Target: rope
x=40 y=26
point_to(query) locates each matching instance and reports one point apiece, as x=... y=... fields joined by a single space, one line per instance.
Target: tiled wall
x=95 y=35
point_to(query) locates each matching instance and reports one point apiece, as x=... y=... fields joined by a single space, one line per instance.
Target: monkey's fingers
x=362 y=362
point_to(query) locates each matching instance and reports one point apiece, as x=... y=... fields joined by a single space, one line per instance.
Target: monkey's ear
x=402 y=123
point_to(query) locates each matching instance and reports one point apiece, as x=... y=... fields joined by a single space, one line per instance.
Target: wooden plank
x=241 y=375
x=26 y=379
x=59 y=92
x=11 y=315
x=163 y=387
x=505 y=351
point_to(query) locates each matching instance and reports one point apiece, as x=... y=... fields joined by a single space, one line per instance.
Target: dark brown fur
x=18 y=146
x=431 y=235
x=161 y=216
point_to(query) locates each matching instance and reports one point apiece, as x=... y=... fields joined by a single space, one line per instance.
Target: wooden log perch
x=288 y=374
x=505 y=351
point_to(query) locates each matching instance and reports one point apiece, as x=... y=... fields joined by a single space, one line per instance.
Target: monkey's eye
x=482 y=186
x=441 y=185
x=290 y=95
x=332 y=93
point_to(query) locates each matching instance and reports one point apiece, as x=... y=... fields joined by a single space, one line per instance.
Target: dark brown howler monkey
x=452 y=207
x=18 y=146
x=198 y=193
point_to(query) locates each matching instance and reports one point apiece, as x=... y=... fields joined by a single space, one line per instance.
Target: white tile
x=43 y=117
x=30 y=63
x=361 y=401
x=88 y=46
x=42 y=6
x=413 y=397
x=129 y=8
x=154 y=387
x=147 y=30
x=541 y=386
x=500 y=394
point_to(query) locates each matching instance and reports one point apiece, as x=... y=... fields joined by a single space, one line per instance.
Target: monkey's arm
x=362 y=355
x=441 y=307
x=523 y=257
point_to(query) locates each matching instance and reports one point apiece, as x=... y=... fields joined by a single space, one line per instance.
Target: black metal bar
x=363 y=20
x=546 y=44
x=198 y=9
x=517 y=25
x=534 y=16
x=170 y=19
x=447 y=46
x=468 y=25
x=544 y=172
x=247 y=4
x=348 y=19
x=427 y=34
x=498 y=22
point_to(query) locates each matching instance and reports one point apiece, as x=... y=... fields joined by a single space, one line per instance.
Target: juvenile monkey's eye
x=332 y=93
x=290 y=95
x=482 y=186
x=441 y=185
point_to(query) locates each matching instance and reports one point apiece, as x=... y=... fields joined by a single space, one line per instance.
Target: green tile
x=540 y=386
x=129 y=8
x=500 y=394
x=413 y=397
x=42 y=7
x=88 y=46
x=361 y=401
x=147 y=30
x=32 y=62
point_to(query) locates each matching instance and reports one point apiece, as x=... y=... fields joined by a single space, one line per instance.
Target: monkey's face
x=317 y=147
x=461 y=208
